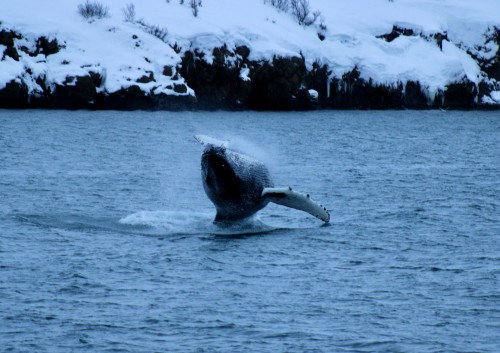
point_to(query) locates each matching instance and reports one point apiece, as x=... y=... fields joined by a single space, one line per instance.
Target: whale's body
x=239 y=186
x=234 y=183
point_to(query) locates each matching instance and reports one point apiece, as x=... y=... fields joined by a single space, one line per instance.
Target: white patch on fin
x=208 y=140
x=289 y=198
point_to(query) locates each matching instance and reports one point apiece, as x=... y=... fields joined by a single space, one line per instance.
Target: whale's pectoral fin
x=288 y=197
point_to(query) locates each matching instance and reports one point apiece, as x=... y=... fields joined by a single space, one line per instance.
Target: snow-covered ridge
x=383 y=43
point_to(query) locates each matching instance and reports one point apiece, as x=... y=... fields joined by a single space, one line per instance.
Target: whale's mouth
x=219 y=178
x=214 y=157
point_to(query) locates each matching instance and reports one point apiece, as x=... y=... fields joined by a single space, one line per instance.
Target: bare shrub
x=129 y=12
x=93 y=10
x=282 y=5
x=301 y=10
x=157 y=31
x=195 y=5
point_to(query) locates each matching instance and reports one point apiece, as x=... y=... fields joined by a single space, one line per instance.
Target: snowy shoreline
x=406 y=54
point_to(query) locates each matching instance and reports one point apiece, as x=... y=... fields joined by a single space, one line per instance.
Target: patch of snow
x=493 y=98
x=244 y=72
x=314 y=94
x=10 y=70
x=121 y=52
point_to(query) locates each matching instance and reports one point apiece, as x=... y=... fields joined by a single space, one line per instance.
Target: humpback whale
x=239 y=185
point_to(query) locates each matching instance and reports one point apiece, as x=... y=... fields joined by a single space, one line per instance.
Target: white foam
x=175 y=222
x=180 y=222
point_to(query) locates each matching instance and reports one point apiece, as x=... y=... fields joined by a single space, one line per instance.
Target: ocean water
x=107 y=242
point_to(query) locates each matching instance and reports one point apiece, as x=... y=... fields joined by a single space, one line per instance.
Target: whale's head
x=218 y=174
x=233 y=182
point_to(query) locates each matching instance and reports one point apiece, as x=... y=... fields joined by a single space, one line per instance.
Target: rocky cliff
x=117 y=64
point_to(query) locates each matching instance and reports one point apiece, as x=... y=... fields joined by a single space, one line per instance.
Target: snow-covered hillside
x=49 y=53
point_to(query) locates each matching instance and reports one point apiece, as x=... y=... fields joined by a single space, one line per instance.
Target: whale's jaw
x=219 y=179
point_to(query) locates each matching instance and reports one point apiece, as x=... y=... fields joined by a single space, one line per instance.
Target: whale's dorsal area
x=290 y=198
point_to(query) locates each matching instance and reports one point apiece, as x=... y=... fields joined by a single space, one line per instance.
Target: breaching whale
x=239 y=185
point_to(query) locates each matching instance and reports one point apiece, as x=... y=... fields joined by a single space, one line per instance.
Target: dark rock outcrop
x=217 y=85
x=14 y=95
x=460 y=95
x=414 y=96
x=7 y=38
x=47 y=47
x=146 y=78
x=76 y=92
x=351 y=91
x=492 y=66
x=275 y=85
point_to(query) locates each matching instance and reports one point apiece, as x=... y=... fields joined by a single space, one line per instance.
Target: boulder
x=146 y=78
x=7 y=39
x=168 y=70
x=47 y=47
x=180 y=88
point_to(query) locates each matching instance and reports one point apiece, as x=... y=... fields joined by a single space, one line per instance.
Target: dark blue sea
x=107 y=242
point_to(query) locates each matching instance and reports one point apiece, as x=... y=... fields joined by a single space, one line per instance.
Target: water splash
x=168 y=222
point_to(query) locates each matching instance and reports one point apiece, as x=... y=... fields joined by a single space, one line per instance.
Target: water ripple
x=107 y=242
